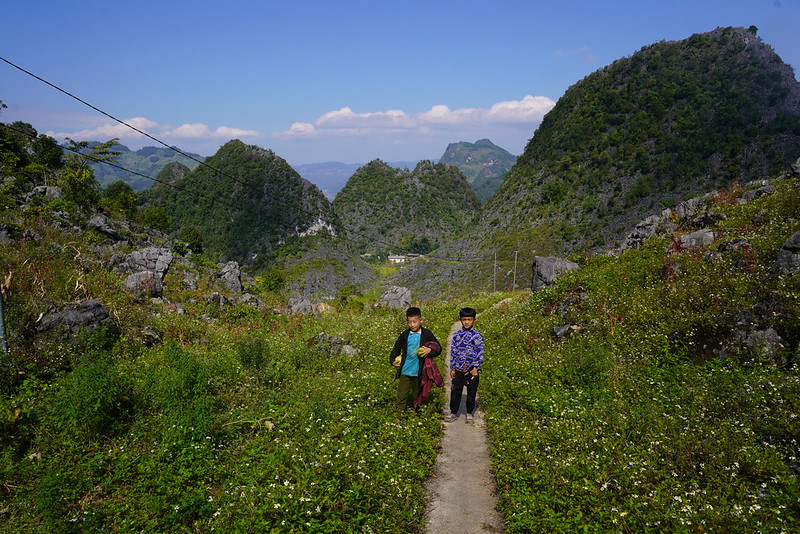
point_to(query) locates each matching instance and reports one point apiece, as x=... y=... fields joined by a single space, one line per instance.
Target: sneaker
x=469 y=419
x=450 y=418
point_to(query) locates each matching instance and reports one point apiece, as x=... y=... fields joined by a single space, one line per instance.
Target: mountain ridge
x=669 y=122
x=484 y=164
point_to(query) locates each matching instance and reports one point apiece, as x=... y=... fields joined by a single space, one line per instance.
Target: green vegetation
x=483 y=163
x=149 y=161
x=245 y=202
x=635 y=424
x=674 y=120
x=389 y=211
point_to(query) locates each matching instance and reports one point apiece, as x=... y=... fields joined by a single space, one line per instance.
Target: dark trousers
x=463 y=378
x=406 y=385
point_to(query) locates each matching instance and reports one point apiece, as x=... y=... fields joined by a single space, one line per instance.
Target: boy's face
x=467 y=322
x=414 y=323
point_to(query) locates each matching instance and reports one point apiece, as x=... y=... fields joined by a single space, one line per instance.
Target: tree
x=157 y=219
x=76 y=181
x=193 y=237
x=120 y=198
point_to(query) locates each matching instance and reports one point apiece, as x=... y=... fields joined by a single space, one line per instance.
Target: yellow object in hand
x=421 y=352
x=397 y=360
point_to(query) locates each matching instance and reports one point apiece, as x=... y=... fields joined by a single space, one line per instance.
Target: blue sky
x=344 y=80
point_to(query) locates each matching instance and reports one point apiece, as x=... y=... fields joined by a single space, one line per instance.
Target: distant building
x=402 y=258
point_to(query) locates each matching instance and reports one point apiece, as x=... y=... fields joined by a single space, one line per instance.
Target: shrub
x=93 y=399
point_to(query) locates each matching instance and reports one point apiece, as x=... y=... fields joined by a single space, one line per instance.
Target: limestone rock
x=72 y=319
x=144 y=284
x=546 y=269
x=231 y=276
x=396 y=297
x=299 y=305
x=189 y=282
x=700 y=238
x=788 y=260
x=152 y=259
x=752 y=194
x=103 y=225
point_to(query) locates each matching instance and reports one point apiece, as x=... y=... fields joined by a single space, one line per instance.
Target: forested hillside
x=672 y=121
x=247 y=202
x=669 y=122
x=147 y=161
x=387 y=210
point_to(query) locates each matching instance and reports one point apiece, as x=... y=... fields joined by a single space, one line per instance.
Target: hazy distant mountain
x=483 y=163
x=332 y=175
x=147 y=161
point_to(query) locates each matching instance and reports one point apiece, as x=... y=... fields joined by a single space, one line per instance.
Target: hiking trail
x=461 y=493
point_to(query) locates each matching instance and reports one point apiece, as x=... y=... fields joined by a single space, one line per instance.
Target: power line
x=203 y=163
x=112 y=164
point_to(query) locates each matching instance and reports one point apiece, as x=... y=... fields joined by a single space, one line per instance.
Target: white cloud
x=164 y=132
x=344 y=122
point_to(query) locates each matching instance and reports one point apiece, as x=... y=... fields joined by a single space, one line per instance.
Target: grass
x=633 y=424
x=235 y=421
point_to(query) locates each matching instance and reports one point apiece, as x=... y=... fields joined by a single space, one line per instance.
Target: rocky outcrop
x=300 y=305
x=700 y=238
x=103 y=225
x=73 y=319
x=144 y=284
x=153 y=259
x=396 y=297
x=696 y=212
x=231 y=276
x=788 y=261
x=546 y=269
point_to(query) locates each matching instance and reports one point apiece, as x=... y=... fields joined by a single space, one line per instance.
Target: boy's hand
x=452 y=373
x=473 y=372
x=422 y=352
x=396 y=362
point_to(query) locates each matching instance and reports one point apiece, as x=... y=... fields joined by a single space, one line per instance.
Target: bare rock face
x=700 y=238
x=153 y=259
x=231 y=276
x=73 y=319
x=396 y=297
x=546 y=269
x=144 y=284
x=788 y=260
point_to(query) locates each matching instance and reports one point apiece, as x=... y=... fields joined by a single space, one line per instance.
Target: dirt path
x=461 y=493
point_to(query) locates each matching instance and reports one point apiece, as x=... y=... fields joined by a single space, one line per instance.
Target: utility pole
x=514 y=279
x=3 y=342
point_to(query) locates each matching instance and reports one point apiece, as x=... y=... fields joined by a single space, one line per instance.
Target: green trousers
x=406 y=385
